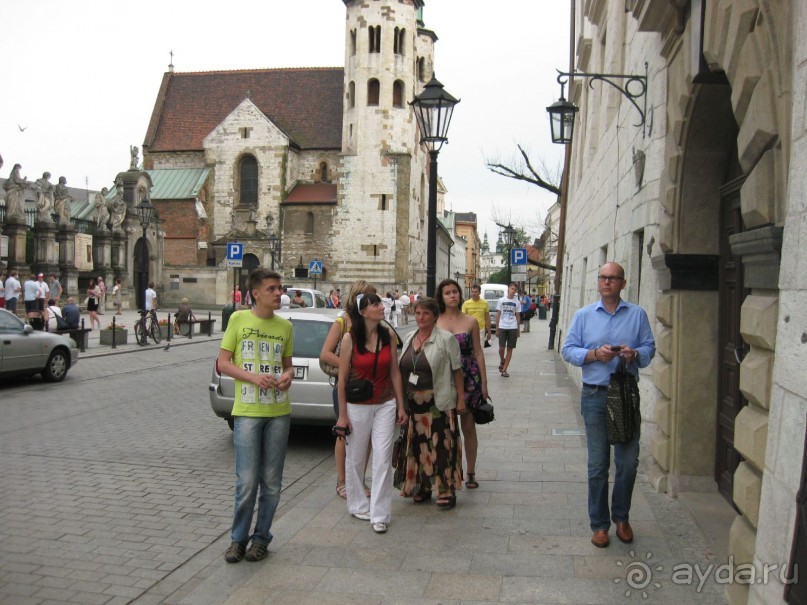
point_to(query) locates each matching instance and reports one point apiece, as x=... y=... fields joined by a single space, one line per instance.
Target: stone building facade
x=328 y=159
x=709 y=234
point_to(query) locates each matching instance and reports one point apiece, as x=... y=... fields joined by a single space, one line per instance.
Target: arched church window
x=373 y=91
x=398 y=93
x=398 y=42
x=323 y=172
x=422 y=69
x=309 y=223
x=375 y=38
x=422 y=198
x=352 y=42
x=351 y=94
x=248 y=176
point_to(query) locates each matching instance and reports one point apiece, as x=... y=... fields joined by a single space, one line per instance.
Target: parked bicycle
x=147 y=326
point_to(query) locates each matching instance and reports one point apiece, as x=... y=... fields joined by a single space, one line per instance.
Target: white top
x=509 y=307
x=285 y=301
x=12 y=287
x=30 y=290
x=151 y=296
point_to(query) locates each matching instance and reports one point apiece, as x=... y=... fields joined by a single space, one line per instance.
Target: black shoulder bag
x=623 y=410
x=359 y=389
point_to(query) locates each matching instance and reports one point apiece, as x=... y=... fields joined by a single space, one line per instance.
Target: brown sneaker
x=624 y=531
x=235 y=553
x=600 y=538
x=257 y=552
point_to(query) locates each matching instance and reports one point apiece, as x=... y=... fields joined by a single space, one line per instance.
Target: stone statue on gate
x=134 y=151
x=44 y=198
x=117 y=208
x=15 y=188
x=101 y=211
x=63 y=202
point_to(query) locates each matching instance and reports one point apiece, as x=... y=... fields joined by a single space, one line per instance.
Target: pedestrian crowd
x=427 y=395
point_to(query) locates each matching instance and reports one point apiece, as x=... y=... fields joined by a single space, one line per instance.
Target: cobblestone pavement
x=119 y=476
x=146 y=514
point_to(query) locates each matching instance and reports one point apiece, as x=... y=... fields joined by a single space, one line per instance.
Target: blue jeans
x=626 y=459
x=260 y=451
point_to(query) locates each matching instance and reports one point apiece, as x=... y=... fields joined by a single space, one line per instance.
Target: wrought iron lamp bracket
x=639 y=91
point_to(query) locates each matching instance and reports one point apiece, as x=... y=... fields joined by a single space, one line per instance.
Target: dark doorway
x=731 y=347
x=250 y=264
x=140 y=271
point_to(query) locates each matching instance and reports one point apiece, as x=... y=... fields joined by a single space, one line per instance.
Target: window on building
x=398 y=43
x=397 y=94
x=422 y=198
x=352 y=42
x=422 y=69
x=245 y=132
x=323 y=172
x=375 y=38
x=383 y=203
x=248 y=176
x=373 y=92
x=309 y=223
x=351 y=94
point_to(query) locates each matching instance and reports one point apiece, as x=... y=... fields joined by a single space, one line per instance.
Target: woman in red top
x=369 y=353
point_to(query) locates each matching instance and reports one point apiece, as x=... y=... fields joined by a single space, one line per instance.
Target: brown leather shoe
x=600 y=538
x=624 y=531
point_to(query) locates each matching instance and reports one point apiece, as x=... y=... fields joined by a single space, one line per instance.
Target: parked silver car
x=25 y=351
x=311 y=393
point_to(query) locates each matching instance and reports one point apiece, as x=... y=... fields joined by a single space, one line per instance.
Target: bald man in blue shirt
x=599 y=335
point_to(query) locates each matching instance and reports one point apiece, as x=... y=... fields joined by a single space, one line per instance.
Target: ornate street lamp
x=274 y=247
x=433 y=110
x=145 y=212
x=561 y=113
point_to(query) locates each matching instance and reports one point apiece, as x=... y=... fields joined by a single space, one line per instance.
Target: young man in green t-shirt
x=478 y=308
x=256 y=350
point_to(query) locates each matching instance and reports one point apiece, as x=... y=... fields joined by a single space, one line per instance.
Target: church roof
x=177 y=184
x=306 y=103
x=316 y=193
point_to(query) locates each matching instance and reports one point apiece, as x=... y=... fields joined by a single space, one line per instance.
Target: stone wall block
x=747 y=491
x=668 y=198
x=757 y=196
x=660 y=450
x=758 y=131
x=664 y=344
x=758 y=321
x=751 y=434
x=666 y=232
x=663 y=376
x=742 y=540
x=716 y=32
x=756 y=375
x=743 y=14
x=663 y=414
x=664 y=309
x=746 y=76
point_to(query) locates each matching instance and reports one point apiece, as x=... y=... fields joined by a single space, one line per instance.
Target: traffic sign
x=235 y=254
x=518 y=256
x=315 y=267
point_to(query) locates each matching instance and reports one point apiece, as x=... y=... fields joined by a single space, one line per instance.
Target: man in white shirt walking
x=150 y=301
x=508 y=322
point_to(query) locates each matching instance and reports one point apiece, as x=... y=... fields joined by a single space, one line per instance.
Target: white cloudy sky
x=82 y=77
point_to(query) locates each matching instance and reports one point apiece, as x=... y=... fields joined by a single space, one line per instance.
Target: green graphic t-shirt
x=259 y=346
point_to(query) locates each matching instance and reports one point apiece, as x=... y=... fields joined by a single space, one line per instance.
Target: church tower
x=383 y=185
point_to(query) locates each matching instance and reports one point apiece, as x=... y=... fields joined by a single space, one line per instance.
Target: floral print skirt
x=431 y=457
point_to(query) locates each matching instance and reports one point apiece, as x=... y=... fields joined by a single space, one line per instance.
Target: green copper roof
x=177 y=184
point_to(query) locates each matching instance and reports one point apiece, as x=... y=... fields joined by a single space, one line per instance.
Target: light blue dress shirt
x=593 y=326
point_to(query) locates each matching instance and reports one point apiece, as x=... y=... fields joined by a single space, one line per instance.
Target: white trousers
x=376 y=423
x=396 y=319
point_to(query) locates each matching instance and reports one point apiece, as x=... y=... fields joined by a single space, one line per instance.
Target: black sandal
x=422 y=497
x=471 y=483
x=446 y=502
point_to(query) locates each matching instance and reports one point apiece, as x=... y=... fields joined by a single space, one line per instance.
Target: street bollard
x=169 y=328
x=114 y=333
x=209 y=324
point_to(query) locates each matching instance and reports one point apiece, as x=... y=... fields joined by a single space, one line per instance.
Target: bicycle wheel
x=140 y=334
x=155 y=331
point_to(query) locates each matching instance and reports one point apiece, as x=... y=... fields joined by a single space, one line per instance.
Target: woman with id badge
x=431 y=371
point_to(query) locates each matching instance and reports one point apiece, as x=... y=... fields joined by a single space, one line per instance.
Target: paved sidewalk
x=128 y=318
x=522 y=537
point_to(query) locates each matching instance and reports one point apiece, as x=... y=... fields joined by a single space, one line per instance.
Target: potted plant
x=121 y=334
x=164 y=327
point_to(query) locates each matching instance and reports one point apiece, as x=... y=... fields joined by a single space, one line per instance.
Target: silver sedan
x=25 y=351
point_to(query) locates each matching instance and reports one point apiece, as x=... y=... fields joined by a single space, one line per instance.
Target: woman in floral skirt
x=431 y=372
x=465 y=329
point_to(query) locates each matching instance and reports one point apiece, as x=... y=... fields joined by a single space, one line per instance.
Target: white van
x=491 y=293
